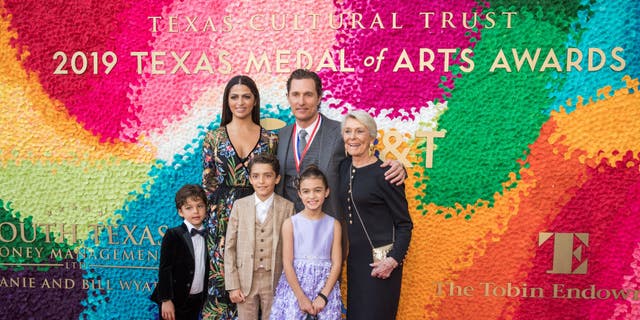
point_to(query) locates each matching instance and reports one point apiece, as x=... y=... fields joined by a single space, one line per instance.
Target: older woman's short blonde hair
x=364 y=118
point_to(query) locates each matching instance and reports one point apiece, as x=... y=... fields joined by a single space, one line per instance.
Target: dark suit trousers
x=190 y=309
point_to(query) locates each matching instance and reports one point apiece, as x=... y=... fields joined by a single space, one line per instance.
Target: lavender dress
x=312 y=240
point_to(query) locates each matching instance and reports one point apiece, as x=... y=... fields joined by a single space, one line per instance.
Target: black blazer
x=177 y=266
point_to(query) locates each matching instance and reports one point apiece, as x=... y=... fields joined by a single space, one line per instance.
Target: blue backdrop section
x=617 y=15
x=126 y=284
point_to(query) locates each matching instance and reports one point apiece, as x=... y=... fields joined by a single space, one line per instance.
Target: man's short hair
x=306 y=74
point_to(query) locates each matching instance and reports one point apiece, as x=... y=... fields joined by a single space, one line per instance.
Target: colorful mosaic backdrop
x=520 y=131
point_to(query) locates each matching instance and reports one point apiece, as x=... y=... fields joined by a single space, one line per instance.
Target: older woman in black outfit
x=377 y=215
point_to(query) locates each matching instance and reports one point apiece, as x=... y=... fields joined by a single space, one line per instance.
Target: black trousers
x=190 y=309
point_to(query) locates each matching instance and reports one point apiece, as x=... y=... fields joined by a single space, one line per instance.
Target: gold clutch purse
x=380 y=253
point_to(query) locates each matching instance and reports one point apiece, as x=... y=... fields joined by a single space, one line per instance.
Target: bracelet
x=321 y=295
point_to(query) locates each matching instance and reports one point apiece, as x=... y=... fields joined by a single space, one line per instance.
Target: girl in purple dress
x=311 y=256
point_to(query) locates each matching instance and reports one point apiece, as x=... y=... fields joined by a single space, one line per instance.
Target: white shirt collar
x=310 y=127
x=190 y=226
x=267 y=202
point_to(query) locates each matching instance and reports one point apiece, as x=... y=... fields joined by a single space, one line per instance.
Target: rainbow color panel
x=518 y=123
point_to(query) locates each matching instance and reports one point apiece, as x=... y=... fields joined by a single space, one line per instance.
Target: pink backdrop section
x=112 y=149
x=370 y=88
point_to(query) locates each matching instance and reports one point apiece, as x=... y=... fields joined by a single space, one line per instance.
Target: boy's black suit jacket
x=177 y=266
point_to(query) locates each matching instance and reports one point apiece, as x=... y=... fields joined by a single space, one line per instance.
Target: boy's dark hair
x=266 y=158
x=312 y=171
x=305 y=74
x=189 y=191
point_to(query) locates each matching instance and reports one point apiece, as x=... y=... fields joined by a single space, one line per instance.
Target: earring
x=371 y=148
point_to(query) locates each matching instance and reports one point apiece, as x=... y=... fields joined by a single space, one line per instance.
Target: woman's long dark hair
x=226 y=110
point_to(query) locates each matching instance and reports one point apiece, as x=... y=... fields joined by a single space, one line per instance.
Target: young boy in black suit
x=182 y=276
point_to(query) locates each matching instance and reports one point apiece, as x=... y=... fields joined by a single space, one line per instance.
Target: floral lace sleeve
x=209 y=172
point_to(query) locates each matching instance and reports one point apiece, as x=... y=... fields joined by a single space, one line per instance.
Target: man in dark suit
x=314 y=139
x=182 y=276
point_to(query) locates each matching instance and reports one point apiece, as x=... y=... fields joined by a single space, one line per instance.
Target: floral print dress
x=225 y=178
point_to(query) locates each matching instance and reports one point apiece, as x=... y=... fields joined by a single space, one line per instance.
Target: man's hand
x=396 y=173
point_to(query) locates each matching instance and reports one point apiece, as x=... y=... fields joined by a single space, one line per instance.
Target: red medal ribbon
x=296 y=154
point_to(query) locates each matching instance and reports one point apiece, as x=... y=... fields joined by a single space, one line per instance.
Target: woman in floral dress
x=226 y=153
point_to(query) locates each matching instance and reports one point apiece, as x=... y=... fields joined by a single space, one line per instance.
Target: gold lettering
x=13 y=232
x=447 y=53
x=252 y=23
x=466 y=57
x=394 y=24
x=453 y=290
x=314 y=20
x=226 y=20
x=17 y=282
x=300 y=55
x=343 y=67
x=180 y=62
x=154 y=23
x=509 y=14
x=490 y=19
x=591 y=59
x=129 y=235
x=465 y=22
x=64 y=233
x=446 y=19
x=157 y=63
x=139 y=55
x=258 y=64
x=282 y=57
x=203 y=64
x=173 y=24
x=426 y=18
x=574 y=63
x=23 y=234
x=376 y=21
x=221 y=58
x=430 y=135
x=426 y=62
x=273 y=23
x=551 y=62
x=209 y=24
x=191 y=23
x=403 y=62
x=146 y=234
x=392 y=140
x=500 y=62
x=356 y=18
x=616 y=57
x=558 y=290
x=296 y=23
x=326 y=61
